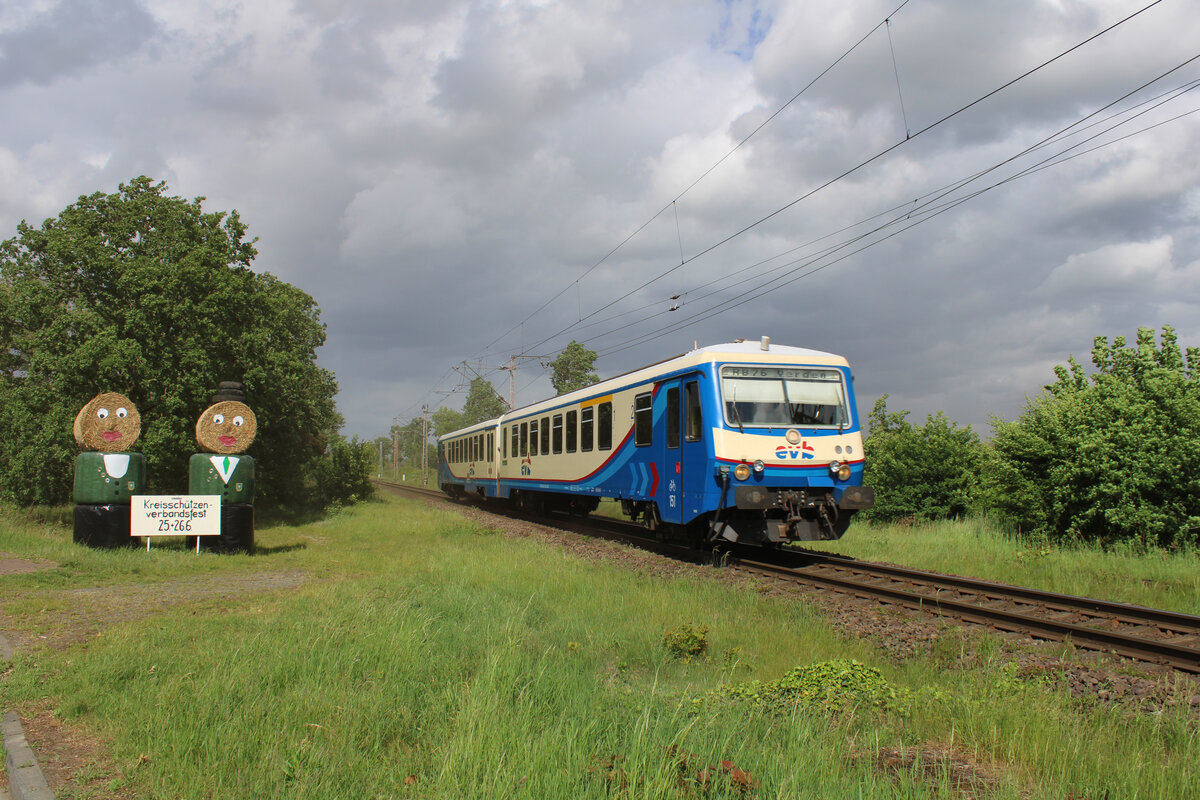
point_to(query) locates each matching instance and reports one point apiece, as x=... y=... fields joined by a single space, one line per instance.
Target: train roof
x=753 y=351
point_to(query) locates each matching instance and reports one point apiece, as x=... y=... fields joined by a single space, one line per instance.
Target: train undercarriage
x=758 y=515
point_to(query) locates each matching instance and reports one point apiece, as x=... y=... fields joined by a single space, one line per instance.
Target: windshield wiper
x=736 y=413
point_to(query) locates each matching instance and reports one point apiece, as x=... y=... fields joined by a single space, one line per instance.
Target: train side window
x=673 y=417
x=558 y=433
x=515 y=433
x=643 y=419
x=524 y=439
x=491 y=451
x=503 y=443
x=545 y=432
x=693 y=426
x=572 y=430
x=533 y=437
x=586 y=428
x=604 y=426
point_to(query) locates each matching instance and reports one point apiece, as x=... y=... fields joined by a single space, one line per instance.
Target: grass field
x=396 y=650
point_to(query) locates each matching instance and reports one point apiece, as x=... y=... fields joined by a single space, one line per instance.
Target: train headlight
x=741 y=472
x=759 y=466
x=839 y=470
x=793 y=436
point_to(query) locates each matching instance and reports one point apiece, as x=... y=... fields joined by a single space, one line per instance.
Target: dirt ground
x=70 y=757
x=65 y=751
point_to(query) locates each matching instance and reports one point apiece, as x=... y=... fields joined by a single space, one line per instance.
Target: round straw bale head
x=226 y=427
x=109 y=423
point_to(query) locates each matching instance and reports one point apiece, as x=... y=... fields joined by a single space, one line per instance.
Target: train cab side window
x=673 y=417
x=604 y=425
x=545 y=432
x=503 y=443
x=693 y=424
x=572 y=430
x=533 y=437
x=558 y=433
x=524 y=439
x=643 y=419
x=586 y=428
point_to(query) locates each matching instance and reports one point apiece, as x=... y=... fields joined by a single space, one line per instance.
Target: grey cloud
x=72 y=36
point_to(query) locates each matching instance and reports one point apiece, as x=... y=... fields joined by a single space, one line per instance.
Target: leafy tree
x=446 y=420
x=408 y=438
x=1114 y=456
x=482 y=403
x=927 y=472
x=151 y=296
x=345 y=475
x=573 y=368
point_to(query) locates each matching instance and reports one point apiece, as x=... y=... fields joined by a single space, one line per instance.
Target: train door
x=679 y=455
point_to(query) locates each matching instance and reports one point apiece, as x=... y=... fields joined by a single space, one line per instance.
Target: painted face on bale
x=109 y=423
x=226 y=427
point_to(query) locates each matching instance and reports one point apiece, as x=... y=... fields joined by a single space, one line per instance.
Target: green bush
x=1111 y=457
x=343 y=475
x=836 y=685
x=687 y=641
x=928 y=472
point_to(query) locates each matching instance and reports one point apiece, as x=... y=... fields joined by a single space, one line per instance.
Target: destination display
x=782 y=373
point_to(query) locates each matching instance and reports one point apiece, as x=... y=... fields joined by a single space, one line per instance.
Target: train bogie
x=742 y=442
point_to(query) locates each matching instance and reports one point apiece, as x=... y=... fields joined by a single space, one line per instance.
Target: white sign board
x=175 y=515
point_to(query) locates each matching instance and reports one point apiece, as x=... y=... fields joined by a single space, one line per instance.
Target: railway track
x=1144 y=634
x=1137 y=632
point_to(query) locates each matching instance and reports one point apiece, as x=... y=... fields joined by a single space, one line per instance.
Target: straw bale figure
x=225 y=431
x=106 y=479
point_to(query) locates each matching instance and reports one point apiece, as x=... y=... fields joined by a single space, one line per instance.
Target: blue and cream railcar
x=743 y=441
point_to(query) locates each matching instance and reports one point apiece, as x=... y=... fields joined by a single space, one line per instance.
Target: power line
x=702 y=176
x=927 y=212
x=753 y=293
x=866 y=162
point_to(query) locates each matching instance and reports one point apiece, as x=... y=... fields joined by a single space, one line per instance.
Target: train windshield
x=784 y=396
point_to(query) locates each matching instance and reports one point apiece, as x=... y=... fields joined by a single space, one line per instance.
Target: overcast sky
x=456 y=182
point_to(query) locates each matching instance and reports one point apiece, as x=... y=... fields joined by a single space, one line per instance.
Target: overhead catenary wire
x=919 y=205
x=854 y=169
x=586 y=321
x=912 y=220
x=702 y=176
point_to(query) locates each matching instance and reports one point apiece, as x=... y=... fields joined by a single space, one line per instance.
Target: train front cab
x=787 y=453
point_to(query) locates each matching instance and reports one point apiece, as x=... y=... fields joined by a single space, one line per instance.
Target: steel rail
x=1188 y=624
x=1180 y=657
